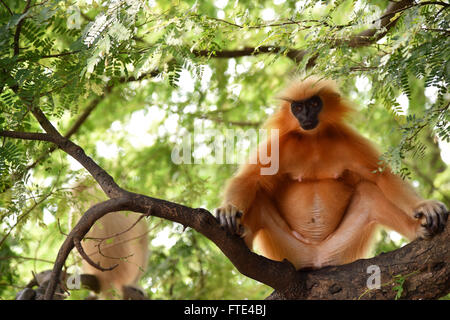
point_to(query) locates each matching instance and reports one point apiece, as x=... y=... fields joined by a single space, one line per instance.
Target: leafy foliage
x=150 y=73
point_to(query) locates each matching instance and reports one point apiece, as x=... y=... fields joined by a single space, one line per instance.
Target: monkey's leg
x=351 y=239
x=430 y=217
x=367 y=208
x=264 y=230
x=272 y=236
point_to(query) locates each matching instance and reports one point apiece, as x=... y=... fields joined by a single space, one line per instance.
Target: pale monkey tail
x=128 y=249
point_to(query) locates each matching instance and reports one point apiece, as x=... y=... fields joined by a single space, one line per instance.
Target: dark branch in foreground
x=422 y=265
x=425 y=263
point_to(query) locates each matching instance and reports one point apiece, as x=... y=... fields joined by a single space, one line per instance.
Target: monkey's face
x=307 y=112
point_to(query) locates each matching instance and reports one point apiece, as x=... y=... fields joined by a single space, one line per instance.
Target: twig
x=7 y=8
x=26 y=213
x=425 y=3
x=81 y=251
x=19 y=29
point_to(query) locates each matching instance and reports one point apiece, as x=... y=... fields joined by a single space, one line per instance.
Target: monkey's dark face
x=307 y=112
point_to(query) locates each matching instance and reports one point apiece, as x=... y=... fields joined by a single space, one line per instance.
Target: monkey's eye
x=315 y=102
x=297 y=106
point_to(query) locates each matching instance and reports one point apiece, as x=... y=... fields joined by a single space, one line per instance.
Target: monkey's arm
x=241 y=190
x=396 y=190
x=240 y=194
x=431 y=214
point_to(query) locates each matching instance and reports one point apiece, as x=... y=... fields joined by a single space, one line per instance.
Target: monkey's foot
x=230 y=218
x=433 y=216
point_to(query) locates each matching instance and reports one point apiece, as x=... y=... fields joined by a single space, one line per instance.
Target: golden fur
x=323 y=204
x=127 y=249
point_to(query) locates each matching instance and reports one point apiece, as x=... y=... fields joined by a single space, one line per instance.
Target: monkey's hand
x=433 y=216
x=230 y=218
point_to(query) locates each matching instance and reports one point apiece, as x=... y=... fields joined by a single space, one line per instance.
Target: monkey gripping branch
x=422 y=264
x=421 y=267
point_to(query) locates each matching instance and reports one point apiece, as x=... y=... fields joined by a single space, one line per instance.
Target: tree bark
x=419 y=270
x=423 y=265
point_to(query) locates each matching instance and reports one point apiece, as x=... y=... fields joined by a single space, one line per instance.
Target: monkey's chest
x=314 y=209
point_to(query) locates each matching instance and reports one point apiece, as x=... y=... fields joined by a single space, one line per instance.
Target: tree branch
x=19 y=29
x=77 y=244
x=78 y=232
x=422 y=264
x=293 y=54
x=7 y=8
x=79 y=122
x=361 y=39
x=372 y=35
x=344 y=282
x=101 y=176
x=27 y=135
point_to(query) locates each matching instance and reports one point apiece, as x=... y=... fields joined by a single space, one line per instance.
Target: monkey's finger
x=427 y=217
x=219 y=215
x=440 y=223
x=237 y=224
x=241 y=230
x=443 y=207
x=233 y=223
x=435 y=222
x=229 y=218
x=443 y=217
x=432 y=223
x=237 y=221
x=222 y=220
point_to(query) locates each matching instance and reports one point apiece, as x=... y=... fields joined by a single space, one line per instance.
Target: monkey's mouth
x=309 y=125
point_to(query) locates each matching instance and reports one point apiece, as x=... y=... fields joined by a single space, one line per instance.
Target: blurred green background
x=147 y=73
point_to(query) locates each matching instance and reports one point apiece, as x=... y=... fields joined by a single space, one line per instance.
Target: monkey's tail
x=125 y=244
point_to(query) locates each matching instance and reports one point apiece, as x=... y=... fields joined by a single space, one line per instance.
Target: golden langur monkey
x=322 y=205
x=119 y=239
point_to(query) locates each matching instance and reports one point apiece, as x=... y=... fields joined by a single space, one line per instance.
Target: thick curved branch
x=278 y=275
x=105 y=181
x=421 y=266
x=78 y=232
x=77 y=244
x=424 y=262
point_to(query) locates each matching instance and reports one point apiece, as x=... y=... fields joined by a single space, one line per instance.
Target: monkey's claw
x=433 y=216
x=230 y=218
